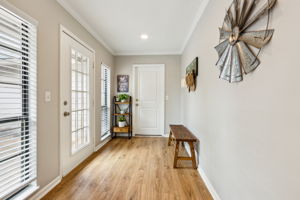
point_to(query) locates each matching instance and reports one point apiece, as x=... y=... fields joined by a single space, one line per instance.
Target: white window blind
x=17 y=103
x=105 y=100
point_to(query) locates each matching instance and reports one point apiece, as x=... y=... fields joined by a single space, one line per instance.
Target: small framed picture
x=123 y=83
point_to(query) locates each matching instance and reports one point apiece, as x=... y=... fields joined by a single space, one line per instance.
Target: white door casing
x=76 y=101
x=148 y=99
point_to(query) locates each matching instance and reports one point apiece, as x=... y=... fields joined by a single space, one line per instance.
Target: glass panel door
x=80 y=101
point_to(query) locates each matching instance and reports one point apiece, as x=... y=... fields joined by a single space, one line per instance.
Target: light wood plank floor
x=136 y=169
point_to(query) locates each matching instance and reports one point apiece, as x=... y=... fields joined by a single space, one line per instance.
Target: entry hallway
x=140 y=168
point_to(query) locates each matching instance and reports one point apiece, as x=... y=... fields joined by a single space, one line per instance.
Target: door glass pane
x=80 y=101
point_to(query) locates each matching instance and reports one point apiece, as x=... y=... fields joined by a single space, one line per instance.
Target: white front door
x=76 y=93
x=149 y=89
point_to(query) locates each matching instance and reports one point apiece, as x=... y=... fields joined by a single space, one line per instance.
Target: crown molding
x=199 y=14
x=94 y=33
x=74 y=14
x=144 y=53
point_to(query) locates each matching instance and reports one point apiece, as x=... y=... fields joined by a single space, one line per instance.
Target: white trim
x=205 y=179
x=163 y=66
x=94 y=33
x=199 y=14
x=43 y=191
x=146 y=53
x=19 y=12
x=64 y=30
x=208 y=184
x=103 y=142
x=74 y=14
x=24 y=194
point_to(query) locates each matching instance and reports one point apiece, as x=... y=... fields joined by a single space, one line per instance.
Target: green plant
x=123 y=97
x=122 y=119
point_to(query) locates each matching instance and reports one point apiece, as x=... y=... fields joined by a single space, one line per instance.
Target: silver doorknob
x=66 y=114
x=136 y=104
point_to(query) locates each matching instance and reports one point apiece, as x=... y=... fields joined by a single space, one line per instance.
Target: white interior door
x=76 y=93
x=149 y=89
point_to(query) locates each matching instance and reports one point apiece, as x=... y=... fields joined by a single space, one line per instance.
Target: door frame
x=134 y=67
x=64 y=30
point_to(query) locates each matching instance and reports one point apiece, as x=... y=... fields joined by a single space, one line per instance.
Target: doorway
x=76 y=101
x=149 y=99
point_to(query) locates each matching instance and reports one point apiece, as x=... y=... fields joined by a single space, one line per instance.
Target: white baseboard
x=207 y=182
x=43 y=191
x=99 y=146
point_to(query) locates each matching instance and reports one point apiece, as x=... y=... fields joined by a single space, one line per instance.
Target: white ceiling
x=118 y=24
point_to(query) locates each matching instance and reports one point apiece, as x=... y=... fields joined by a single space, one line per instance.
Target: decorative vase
x=122 y=124
x=123 y=100
x=117 y=99
x=122 y=111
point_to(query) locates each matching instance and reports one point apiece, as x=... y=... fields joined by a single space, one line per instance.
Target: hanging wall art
x=240 y=41
x=191 y=75
x=122 y=83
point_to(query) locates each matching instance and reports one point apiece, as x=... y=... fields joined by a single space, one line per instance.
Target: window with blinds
x=105 y=101
x=17 y=103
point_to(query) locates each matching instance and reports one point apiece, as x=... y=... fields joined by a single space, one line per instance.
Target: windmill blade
x=249 y=61
x=237 y=11
x=222 y=47
x=230 y=17
x=267 y=6
x=224 y=34
x=226 y=69
x=257 y=39
x=227 y=21
x=236 y=74
x=223 y=57
x=244 y=7
x=248 y=11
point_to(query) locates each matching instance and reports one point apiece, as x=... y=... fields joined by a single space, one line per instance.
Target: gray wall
x=123 y=65
x=249 y=131
x=50 y=14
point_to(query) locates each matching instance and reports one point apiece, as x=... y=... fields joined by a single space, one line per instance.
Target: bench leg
x=170 y=138
x=191 y=144
x=176 y=154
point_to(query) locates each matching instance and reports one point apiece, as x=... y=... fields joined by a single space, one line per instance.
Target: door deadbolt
x=66 y=114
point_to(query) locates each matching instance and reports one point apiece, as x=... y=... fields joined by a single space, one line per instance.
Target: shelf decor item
x=123 y=97
x=240 y=45
x=122 y=121
x=122 y=115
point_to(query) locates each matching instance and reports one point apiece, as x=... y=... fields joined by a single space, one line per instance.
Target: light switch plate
x=47 y=96
x=167 y=98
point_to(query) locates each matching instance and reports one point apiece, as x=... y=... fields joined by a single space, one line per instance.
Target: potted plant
x=123 y=97
x=122 y=111
x=122 y=121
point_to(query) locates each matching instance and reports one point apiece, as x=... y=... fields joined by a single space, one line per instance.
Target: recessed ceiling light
x=144 y=36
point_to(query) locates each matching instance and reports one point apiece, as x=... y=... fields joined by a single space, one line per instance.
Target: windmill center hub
x=234 y=35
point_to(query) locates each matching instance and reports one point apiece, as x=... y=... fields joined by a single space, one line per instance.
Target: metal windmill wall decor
x=239 y=47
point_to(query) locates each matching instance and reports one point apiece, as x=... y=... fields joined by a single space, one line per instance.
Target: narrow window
x=17 y=104
x=105 y=101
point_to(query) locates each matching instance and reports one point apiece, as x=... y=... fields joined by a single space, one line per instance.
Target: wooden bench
x=181 y=134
